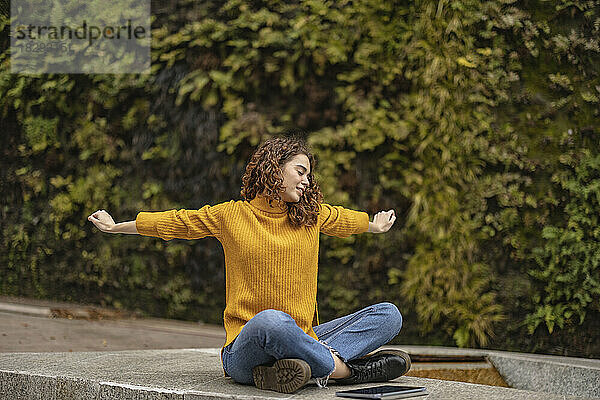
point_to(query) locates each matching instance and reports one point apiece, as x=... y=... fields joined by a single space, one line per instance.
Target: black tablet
x=384 y=392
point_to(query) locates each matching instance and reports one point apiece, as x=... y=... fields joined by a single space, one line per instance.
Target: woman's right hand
x=103 y=221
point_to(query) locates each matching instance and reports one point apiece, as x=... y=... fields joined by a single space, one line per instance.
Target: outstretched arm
x=105 y=223
x=382 y=221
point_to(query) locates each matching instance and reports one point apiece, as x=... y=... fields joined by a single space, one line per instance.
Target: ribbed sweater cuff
x=363 y=222
x=145 y=223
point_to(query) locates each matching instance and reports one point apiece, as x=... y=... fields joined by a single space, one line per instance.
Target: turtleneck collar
x=263 y=204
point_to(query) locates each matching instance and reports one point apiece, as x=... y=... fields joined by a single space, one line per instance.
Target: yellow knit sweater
x=269 y=263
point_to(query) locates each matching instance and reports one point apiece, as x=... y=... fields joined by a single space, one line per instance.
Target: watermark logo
x=65 y=36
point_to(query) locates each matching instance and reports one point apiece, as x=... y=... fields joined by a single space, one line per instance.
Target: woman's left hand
x=382 y=221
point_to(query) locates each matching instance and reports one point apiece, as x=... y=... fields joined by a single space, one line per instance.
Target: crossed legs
x=273 y=335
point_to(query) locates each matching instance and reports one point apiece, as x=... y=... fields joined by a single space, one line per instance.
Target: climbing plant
x=475 y=121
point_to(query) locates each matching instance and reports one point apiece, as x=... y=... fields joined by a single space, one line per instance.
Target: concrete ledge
x=555 y=376
x=541 y=373
x=188 y=374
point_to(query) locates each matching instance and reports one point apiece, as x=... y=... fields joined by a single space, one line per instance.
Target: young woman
x=271 y=245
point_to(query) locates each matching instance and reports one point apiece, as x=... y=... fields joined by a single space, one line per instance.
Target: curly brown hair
x=264 y=175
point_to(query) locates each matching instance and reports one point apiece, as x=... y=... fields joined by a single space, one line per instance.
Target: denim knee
x=270 y=318
x=270 y=322
x=393 y=318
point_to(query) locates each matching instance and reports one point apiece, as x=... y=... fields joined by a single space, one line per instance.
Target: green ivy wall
x=478 y=122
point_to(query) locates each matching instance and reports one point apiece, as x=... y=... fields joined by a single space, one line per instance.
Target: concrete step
x=186 y=374
x=537 y=372
x=196 y=373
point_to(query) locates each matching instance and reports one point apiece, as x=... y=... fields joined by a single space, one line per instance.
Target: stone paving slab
x=547 y=376
x=544 y=373
x=187 y=374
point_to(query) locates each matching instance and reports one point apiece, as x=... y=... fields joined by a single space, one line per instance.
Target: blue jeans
x=272 y=335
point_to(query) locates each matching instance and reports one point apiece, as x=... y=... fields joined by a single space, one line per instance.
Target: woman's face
x=295 y=178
